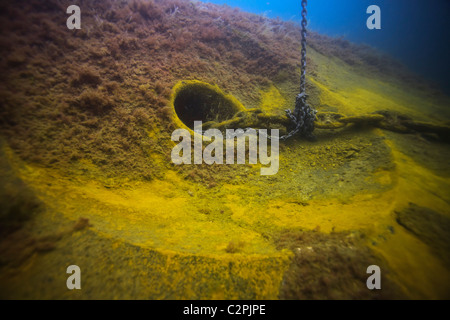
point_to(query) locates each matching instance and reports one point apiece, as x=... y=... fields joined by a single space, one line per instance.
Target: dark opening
x=197 y=102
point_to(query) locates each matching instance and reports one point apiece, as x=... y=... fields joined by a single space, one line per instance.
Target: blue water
x=415 y=32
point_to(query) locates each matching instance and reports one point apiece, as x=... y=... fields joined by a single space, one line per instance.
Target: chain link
x=303 y=116
x=303 y=61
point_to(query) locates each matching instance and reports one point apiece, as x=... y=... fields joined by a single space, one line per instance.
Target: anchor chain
x=305 y=120
x=383 y=119
x=303 y=116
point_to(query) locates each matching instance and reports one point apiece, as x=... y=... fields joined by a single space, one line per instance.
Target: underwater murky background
x=86 y=118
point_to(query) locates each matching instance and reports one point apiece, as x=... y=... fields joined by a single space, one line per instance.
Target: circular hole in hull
x=202 y=102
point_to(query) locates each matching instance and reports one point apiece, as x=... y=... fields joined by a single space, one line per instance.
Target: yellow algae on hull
x=204 y=232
